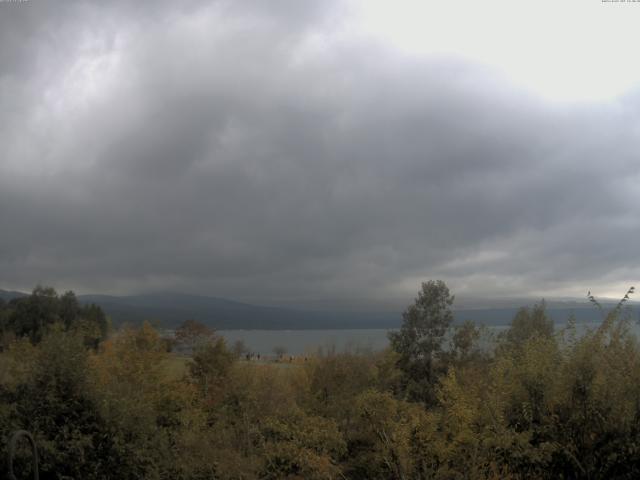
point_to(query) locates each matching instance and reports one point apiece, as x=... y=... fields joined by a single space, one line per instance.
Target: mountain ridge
x=169 y=309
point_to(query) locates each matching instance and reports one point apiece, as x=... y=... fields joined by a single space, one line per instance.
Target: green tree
x=69 y=308
x=210 y=366
x=50 y=397
x=529 y=323
x=464 y=343
x=33 y=315
x=419 y=341
x=4 y=322
x=191 y=334
x=92 y=322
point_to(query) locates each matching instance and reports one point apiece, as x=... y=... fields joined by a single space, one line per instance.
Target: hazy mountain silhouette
x=170 y=309
x=7 y=295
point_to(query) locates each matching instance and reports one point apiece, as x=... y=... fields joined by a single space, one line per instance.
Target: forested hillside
x=540 y=403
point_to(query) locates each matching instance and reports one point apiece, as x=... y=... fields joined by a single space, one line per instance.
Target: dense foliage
x=539 y=404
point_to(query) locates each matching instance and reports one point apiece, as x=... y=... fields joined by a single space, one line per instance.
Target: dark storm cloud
x=265 y=154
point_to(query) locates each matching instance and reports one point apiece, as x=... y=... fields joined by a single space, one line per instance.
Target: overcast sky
x=296 y=152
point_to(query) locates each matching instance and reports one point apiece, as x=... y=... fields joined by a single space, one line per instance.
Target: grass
x=178 y=365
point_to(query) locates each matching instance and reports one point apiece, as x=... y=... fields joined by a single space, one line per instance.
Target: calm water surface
x=301 y=342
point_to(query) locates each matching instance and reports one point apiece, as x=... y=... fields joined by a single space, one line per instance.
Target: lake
x=301 y=342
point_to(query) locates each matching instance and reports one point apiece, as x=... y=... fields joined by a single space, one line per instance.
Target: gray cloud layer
x=267 y=154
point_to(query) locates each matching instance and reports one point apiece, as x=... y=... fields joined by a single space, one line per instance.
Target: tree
x=529 y=323
x=464 y=341
x=301 y=446
x=33 y=315
x=210 y=365
x=92 y=323
x=191 y=333
x=52 y=399
x=4 y=321
x=419 y=341
x=69 y=309
x=141 y=404
x=37 y=314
